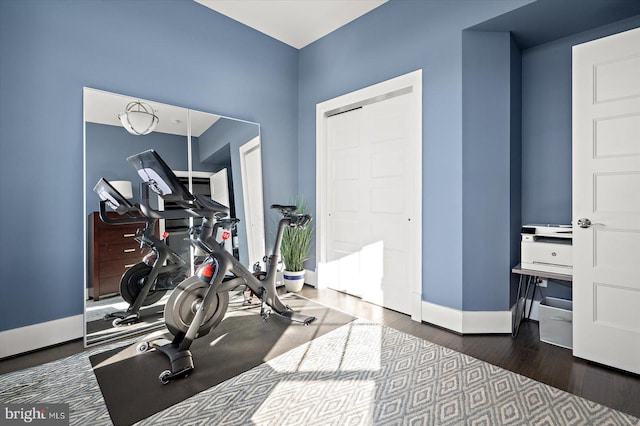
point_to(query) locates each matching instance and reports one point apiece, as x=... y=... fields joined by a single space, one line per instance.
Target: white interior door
x=370 y=187
x=606 y=190
x=251 y=169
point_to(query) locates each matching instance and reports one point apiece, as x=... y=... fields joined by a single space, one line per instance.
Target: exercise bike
x=160 y=270
x=199 y=303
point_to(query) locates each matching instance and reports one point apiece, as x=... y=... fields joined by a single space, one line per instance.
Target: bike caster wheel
x=142 y=347
x=265 y=315
x=125 y=320
x=164 y=377
x=121 y=322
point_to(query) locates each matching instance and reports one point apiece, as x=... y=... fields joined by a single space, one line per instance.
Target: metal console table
x=532 y=278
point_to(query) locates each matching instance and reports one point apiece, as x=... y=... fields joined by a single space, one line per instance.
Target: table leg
x=533 y=296
x=518 y=312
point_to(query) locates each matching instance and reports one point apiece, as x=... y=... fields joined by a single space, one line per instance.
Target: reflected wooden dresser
x=112 y=249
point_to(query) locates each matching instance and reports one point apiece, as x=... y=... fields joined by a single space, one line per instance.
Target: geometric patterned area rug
x=364 y=373
x=359 y=374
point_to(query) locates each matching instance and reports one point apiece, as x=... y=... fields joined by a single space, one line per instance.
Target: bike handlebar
x=296 y=220
x=130 y=218
x=299 y=220
x=285 y=210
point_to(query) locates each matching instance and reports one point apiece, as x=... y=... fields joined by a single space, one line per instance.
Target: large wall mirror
x=213 y=155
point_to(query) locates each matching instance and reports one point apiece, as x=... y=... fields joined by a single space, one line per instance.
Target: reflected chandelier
x=139 y=118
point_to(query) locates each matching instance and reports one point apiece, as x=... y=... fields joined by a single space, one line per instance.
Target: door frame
x=409 y=84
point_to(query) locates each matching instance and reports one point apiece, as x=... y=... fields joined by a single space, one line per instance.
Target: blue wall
x=394 y=39
x=546 y=125
x=486 y=169
x=189 y=56
x=493 y=179
x=546 y=130
x=225 y=132
x=516 y=162
x=198 y=59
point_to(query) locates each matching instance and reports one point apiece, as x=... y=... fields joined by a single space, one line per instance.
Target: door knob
x=583 y=222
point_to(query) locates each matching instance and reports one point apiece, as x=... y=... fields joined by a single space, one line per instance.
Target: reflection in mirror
x=216 y=161
x=204 y=151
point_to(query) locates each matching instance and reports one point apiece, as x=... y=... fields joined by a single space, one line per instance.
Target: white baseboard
x=442 y=316
x=311 y=277
x=36 y=336
x=467 y=322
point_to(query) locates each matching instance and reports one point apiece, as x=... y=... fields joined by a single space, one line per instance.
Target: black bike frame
x=167 y=260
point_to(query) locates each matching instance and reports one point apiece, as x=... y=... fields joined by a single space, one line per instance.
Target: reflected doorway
x=251 y=169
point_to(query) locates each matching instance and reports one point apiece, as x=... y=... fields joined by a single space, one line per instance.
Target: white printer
x=547 y=248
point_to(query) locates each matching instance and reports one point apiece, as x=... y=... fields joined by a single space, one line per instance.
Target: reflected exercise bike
x=159 y=271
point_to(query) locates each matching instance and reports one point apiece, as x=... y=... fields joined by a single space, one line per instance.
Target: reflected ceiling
x=104 y=107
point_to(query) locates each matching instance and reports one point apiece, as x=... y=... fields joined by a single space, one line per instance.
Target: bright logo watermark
x=34 y=414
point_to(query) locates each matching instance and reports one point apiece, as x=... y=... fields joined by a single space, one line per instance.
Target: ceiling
x=294 y=22
x=301 y=22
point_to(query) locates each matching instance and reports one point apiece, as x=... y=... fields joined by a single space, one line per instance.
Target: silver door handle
x=583 y=222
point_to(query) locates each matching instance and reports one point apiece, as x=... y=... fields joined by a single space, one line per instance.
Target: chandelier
x=139 y=118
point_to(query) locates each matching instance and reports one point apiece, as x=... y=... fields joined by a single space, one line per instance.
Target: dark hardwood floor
x=525 y=355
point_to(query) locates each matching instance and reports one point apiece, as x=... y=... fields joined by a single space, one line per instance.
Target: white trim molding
x=37 y=336
x=311 y=277
x=467 y=322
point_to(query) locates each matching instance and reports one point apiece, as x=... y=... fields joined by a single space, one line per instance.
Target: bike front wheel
x=132 y=282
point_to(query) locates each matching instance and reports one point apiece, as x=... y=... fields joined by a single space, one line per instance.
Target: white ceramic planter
x=293 y=281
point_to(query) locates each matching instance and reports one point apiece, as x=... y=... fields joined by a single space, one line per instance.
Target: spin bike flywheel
x=131 y=284
x=185 y=300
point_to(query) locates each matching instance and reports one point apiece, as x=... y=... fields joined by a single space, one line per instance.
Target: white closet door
x=370 y=230
x=344 y=182
x=606 y=190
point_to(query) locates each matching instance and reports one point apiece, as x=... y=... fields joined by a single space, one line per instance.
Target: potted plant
x=295 y=250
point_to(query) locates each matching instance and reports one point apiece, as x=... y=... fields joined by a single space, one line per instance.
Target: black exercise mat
x=129 y=381
x=148 y=315
x=102 y=330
